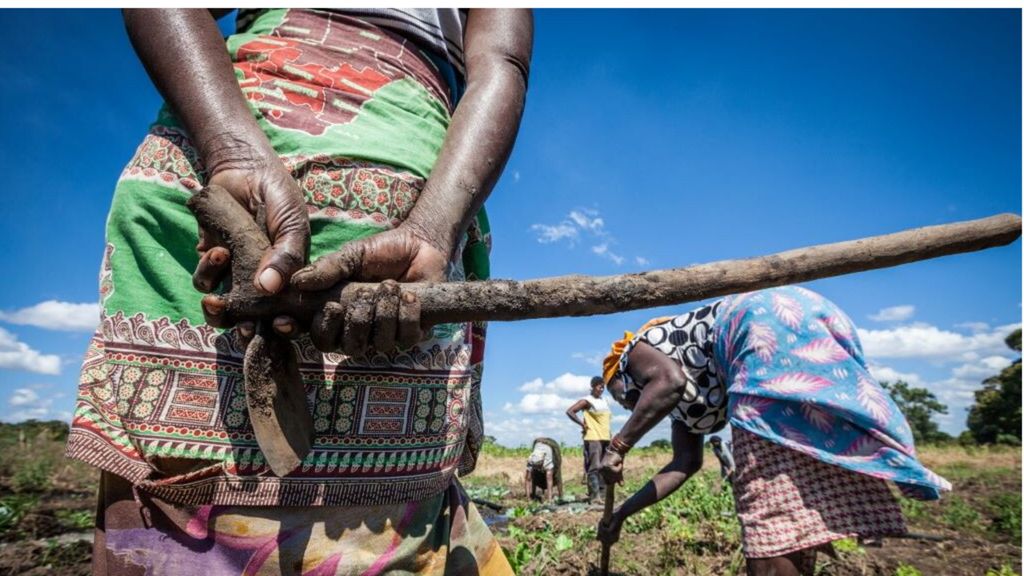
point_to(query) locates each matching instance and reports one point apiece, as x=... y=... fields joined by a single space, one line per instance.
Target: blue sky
x=652 y=139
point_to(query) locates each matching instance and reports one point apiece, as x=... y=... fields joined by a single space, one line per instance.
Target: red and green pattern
x=158 y=384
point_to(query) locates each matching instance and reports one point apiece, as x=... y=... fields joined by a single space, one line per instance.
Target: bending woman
x=815 y=437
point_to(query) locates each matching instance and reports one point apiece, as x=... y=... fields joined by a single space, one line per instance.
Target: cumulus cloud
x=520 y=430
x=584 y=224
x=551 y=397
x=28 y=404
x=56 y=315
x=955 y=390
x=887 y=374
x=926 y=341
x=23 y=396
x=16 y=355
x=893 y=314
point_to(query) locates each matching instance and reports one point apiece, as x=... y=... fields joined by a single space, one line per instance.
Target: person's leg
x=528 y=483
x=799 y=563
x=592 y=463
x=550 y=477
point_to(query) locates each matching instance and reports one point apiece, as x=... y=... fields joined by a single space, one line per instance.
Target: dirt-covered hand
x=611 y=467
x=387 y=317
x=608 y=534
x=265 y=188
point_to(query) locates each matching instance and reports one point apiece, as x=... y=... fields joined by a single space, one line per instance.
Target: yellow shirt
x=598 y=418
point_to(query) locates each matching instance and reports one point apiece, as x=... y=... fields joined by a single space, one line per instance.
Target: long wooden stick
x=588 y=295
x=606 y=518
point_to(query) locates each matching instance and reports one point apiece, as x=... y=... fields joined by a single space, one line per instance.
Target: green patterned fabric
x=358 y=116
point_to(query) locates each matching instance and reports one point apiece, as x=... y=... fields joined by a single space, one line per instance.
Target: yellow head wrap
x=611 y=361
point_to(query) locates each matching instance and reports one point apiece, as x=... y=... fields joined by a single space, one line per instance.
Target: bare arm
x=662 y=382
x=498 y=46
x=184 y=54
x=580 y=404
x=687 y=459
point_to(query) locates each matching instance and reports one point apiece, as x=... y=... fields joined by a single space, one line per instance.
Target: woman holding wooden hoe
x=814 y=435
x=364 y=143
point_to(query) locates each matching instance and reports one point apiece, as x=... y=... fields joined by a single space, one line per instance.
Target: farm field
x=973 y=531
x=46 y=515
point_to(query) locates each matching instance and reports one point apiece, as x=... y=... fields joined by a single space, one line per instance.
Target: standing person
x=597 y=432
x=727 y=466
x=369 y=139
x=815 y=436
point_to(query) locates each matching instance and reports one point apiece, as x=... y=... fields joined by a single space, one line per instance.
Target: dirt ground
x=974 y=532
x=46 y=516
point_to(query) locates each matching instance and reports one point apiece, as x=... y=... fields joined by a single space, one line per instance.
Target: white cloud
x=568 y=383
x=592 y=358
x=926 y=341
x=16 y=355
x=56 y=315
x=580 y=224
x=548 y=234
x=551 y=397
x=887 y=374
x=544 y=403
x=588 y=220
x=515 y=175
x=893 y=313
x=956 y=391
x=27 y=404
x=974 y=326
x=603 y=251
x=23 y=396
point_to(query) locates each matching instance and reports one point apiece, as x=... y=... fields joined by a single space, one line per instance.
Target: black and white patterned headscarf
x=687 y=340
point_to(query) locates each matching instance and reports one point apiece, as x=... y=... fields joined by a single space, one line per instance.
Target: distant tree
x=995 y=415
x=918 y=405
x=661 y=443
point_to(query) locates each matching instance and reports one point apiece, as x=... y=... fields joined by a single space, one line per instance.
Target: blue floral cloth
x=797 y=377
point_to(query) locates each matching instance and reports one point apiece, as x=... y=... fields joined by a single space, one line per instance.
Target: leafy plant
x=77 y=519
x=848 y=546
x=959 y=514
x=1006 y=509
x=33 y=475
x=906 y=570
x=1004 y=570
x=12 y=508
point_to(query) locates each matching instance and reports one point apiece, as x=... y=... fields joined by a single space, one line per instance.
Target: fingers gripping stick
x=440 y=302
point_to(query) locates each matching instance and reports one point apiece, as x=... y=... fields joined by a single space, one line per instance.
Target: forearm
x=572 y=416
x=656 y=402
x=664 y=483
x=483 y=128
x=185 y=56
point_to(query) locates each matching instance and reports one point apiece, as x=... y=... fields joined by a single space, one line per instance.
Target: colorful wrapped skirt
x=358 y=115
x=815 y=435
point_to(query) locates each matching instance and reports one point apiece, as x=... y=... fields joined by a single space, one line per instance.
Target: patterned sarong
x=441 y=535
x=358 y=115
x=788 y=501
x=797 y=378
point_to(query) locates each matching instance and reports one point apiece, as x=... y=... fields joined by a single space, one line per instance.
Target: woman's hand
x=261 y=185
x=608 y=534
x=387 y=317
x=611 y=467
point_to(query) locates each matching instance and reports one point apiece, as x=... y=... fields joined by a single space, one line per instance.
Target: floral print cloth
x=797 y=377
